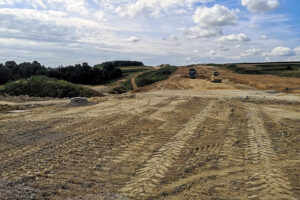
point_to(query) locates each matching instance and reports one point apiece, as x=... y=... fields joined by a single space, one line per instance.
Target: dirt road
x=167 y=143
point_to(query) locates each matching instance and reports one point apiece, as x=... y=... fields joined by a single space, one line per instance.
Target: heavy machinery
x=215 y=77
x=193 y=73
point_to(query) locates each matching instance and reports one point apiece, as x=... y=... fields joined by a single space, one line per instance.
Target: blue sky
x=179 y=32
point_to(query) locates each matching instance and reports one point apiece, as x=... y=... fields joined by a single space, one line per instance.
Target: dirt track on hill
x=183 y=139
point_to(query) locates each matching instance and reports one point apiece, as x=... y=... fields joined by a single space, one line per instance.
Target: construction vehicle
x=215 y=77
x=193 y=73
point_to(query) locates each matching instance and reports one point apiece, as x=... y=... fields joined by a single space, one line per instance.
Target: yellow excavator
x=215 y=77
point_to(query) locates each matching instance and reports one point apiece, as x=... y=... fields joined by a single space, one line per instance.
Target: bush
x=118 y=63
x=123 y=88
x=41 y=86
x=153 y=76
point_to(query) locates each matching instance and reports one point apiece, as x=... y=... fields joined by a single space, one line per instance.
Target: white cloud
x=38 y=3
x=251 y=52
x=260 y=5
x=210 y=21
x=65 y=31
x=173 y=37
x=281 y=51
x=133 y=39
x=75 y=6
x=297 y=50
x=203 y=31
x=99 y=15
x=9 y=2
x=234 y=38
x=154 y=7
x=212 y=52
x=264 y=37
x=215 y=16
x=223 y=48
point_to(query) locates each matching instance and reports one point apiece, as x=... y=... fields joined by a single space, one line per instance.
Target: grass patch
x=153 y=76
x=282 y=69
x=41 y=86
x=294 y=74
x=122 y=88
x=129 y=71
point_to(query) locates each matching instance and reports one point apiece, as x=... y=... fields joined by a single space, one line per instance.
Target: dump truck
x=193 y=73
x=215 y=77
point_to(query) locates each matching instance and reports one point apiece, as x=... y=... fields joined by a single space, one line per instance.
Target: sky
x=177 y=32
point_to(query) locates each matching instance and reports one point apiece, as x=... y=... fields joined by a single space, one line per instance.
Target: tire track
x=149 y=176
x=267 y=181
x=76 y=158
x=214 y=149
x=119 y=166
x=74 y=137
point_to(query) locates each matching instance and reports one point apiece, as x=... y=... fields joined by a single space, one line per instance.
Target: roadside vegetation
x=41 y=86
x=127 y=71
x=278 y=69
x=153 y=76
x=124 y=87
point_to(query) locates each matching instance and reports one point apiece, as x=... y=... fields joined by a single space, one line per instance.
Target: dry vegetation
x=179 y=139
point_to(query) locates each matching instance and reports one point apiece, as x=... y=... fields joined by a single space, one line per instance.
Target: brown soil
x=231 y=80
x=183 y=139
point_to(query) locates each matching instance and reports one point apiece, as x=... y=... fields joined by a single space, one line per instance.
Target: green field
x=285 y=69
x=129 y=70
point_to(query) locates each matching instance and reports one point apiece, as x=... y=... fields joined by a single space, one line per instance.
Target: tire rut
x=267 y=181
x=149 y=176
x=215 y=151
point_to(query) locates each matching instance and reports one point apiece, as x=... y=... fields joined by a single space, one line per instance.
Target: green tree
x=5 y=74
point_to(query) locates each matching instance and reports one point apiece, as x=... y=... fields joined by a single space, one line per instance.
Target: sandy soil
x=181 y=139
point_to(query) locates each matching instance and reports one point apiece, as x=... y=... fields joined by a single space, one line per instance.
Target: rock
x=78 y=100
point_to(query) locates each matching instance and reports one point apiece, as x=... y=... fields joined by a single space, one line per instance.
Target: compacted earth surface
x=177 y=139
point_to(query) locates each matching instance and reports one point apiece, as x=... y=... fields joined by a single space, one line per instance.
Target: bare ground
x=182 y=139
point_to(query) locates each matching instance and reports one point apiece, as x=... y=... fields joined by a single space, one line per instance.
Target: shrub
x=41 y=86
x=153 y=76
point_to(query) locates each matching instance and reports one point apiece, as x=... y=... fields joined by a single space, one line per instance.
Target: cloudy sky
x=63 y=32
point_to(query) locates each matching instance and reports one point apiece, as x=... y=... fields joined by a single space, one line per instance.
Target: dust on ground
x=179 y=139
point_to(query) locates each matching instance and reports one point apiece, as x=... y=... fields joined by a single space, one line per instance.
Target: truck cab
x=193 y=73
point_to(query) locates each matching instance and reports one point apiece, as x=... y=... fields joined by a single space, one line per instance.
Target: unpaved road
x=182 y=143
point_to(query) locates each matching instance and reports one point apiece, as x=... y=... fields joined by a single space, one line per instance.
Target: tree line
x=118 y=63
x=79 y=73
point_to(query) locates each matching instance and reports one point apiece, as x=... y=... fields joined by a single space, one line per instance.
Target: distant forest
x=79 y=73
